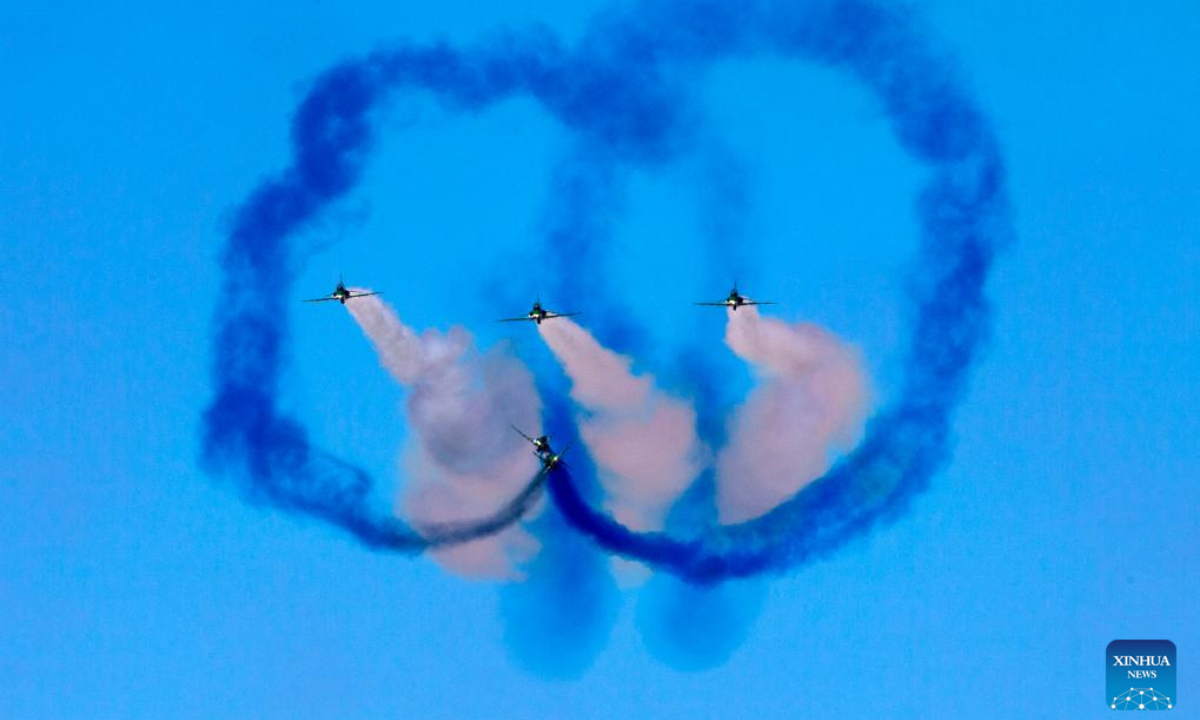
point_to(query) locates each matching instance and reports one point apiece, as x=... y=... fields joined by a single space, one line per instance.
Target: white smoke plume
x=464 y=462
x=643 y=441
x=811 y=399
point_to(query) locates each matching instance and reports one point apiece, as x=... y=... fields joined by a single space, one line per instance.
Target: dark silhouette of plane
x=341 y=294
x=735 y=300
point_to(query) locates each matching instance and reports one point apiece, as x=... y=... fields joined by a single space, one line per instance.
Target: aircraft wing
x=720 y=304
x=520 y=319
x=514 y=427
x=354 y=295
x=321 y=299
x=564 y=452
x=757 y=302
x=554 y=315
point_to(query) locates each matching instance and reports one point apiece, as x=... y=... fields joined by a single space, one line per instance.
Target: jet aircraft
x=341 y=294
x=538 y=314
x=735 y=301
x=543 y=451
x=549 y=462
x=541 y=444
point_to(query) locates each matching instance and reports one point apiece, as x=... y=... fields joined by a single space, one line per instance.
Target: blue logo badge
x=1141 y=675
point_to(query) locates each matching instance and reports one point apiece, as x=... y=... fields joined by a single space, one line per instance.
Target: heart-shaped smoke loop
x=623 y=90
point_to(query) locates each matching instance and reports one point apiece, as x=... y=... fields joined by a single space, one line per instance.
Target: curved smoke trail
x=455 y=533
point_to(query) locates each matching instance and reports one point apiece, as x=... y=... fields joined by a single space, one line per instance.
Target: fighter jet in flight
x=541 y=444
x=543 y=451
x=538 y=314
x=735 y=301
x=341 y=294
x=551 y=461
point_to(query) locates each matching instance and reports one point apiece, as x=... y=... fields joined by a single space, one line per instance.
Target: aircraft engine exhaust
x=463 y=459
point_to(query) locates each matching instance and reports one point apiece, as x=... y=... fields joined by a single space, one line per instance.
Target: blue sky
x=133 y=585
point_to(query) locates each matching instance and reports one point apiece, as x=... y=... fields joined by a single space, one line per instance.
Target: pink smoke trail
x=644 y=442
x=464 y=461
x=811 y=400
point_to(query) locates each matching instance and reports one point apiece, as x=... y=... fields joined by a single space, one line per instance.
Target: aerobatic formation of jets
x=541 y=444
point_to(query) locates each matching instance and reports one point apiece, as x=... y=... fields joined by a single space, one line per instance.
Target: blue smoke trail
x=455 y=533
